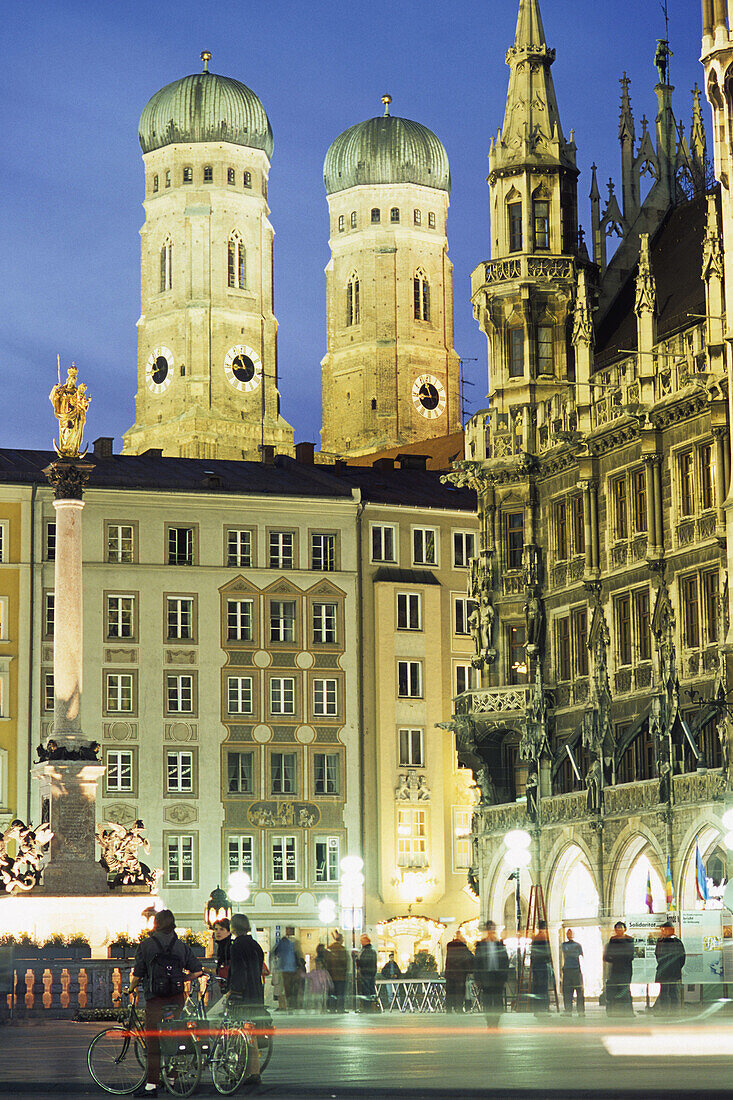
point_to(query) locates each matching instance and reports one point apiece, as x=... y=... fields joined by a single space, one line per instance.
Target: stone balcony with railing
x=522 y=267
x=511 y=699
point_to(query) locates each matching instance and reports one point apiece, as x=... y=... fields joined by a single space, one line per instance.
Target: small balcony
x=511 y=699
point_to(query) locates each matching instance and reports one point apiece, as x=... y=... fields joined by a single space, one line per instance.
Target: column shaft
x=68 y=646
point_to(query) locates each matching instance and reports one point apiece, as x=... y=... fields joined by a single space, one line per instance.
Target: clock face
x=159 y=369
x=243 y=368
x=428 y=396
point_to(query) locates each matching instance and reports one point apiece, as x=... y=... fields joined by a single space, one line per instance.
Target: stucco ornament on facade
x=120 y=854
x=23 y=870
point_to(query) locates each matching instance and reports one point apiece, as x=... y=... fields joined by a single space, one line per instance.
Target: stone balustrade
x=528 y=267
x=498 y=700
x=54 y=989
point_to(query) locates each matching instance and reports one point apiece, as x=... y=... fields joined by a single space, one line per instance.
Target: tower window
x=166 y=265
x=248 y=180
x=541 y=224
x=514 y=211
x=342 y=223
x=208 y=173
x=236 y=262
x=231 y=177
x=168 y=177
x=394 y=214
x=376 y=215
x=188 y=175
x=545 y=363
x=431 y=220
x=421 y=293
x=352 y=300
x=374 y=403
x=353 y=219
x=155 y=183
x=516 y=352
x=417 y=217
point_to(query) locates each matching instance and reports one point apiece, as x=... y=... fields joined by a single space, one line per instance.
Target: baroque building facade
x=602 y=469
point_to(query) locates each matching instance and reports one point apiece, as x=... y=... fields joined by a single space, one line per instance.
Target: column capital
x=68 y=477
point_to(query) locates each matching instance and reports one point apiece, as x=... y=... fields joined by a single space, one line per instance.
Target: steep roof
x=439 y=452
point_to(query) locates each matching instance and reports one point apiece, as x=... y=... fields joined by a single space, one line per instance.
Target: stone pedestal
x=68 y=798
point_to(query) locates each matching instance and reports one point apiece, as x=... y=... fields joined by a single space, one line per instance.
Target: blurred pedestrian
x=318 y=984
x=337 y=962
x=618 y=955
x=490 y=969
x=366 y=965
x=572 y=975
x=458 y=966
x=286 y=959
x=390 y=970
x=246 y=986
x=541 y=969
x=670 y=954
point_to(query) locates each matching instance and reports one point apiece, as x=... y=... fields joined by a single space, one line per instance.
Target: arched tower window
x=208 y=173
x=394 y=214
x=353 y=219
x=376 y=214
x=247 y=179
x=342 y=223
x=155 y=183
x=514 y=221
x=421 y=294
x=353 y=315
x=541 y=218
x=417 y=217
x=166 y=265
x=431 y=220
x=236 y=262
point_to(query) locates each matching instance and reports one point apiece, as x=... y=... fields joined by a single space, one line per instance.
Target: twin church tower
x=207 y=334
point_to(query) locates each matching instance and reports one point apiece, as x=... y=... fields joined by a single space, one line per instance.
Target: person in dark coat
x=366 y=965
x=490 y=971
x=223 y=940
x=671 y=956
x=458 y=965
x=541 y=969
x=246 y=989
x=618 y=955
x=337 y=964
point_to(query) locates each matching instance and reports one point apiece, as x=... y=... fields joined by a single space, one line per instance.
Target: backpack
x=166 y=971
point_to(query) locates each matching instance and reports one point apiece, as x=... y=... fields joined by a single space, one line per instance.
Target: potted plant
x=197 y=942
x=423 y=965
x=54 y=948
x=25 y=946
x=121 y=948
x=79 y=947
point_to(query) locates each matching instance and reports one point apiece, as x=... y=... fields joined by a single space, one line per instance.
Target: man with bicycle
x=246 y=989
x=163 y=964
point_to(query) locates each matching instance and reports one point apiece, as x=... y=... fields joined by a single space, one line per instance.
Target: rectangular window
x=179 y=693
x=281 y=549
x=412 y=838
x=49 y=550
x=545 y=357
x=239 y=549
x=516 y=352
x=239 y=620
x=325 y=698
x=516 y=637
x=541 y=224
x=180 y=545
x=687 y=491
x=240 y=772
x=464 y=548
x=119 y=692
x=282 y=695
x=324 y=623
x=118 y=777
x=579 y=620
x=707 y=476
x=562 y=648
x=638 y=487
x=179 y=618
x=284 y=867
x=412 y=751
x=462 y=611
x=48 y=693
x=710 y=598
x=239 y=694
x=623 y=630
x=120 y=544
x=282 y=772
x=120 y=616
x=409 y=611
x=179 y=772
x=240 y=855
x=561 y=530
x=424 y=546
x=282 y=620
x=514 y=214
x=180 y=859
x=327 y=859
x=48 y=613
x=323 y=552
x=326 y=773
x=409 y=679
x=620 y=510
x=514 y=539
x=466 y=678
x=578 y=525
x=383 y=543
x=642 y=624
x=690 y=612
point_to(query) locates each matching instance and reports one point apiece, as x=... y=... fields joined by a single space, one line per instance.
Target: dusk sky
x=76 y=76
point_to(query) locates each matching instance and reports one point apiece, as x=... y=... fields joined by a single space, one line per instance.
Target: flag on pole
x=649 y=898
x=701 y=878
x=669 y=890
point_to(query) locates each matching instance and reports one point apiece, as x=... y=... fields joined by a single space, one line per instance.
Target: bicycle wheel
x=229 y=1061
x=265 y=1043
x=181 y=1071
x=116 y=1060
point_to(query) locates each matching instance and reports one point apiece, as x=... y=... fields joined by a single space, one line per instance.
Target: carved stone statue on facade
x=120 y=857
x=534 y=615
x=531 y=566
x=481 y=625
x=725 y=736
x=423 y=791
x=534 y=736
x=485 y=784
x=70 y=404
x=23 y=870
x=594 y=786
x=531 y=790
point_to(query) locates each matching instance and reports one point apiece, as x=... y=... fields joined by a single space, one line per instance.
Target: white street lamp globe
x=727 y=819
x=327 y=910
x=351 y=863
x=517 y=857
x=239 y=883
x=728 y=841
x=517 y=838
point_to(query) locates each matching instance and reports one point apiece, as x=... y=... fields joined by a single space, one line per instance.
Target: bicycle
x=263 y=1027
x=117 y=1056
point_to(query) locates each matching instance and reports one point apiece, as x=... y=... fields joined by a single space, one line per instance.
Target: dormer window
x=541 y=224
x=514 y=216
x=376 y=216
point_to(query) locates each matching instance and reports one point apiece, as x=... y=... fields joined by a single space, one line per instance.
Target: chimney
x=267 y=453
x=383 y=464
x=153 y=452
x=413 y=462
x=103 y=446
x=304 y=453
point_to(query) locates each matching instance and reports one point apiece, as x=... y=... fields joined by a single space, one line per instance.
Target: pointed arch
x=236 y=261
x=353 y=304
x=514 y=220
x=421 y=295
x=633 y=842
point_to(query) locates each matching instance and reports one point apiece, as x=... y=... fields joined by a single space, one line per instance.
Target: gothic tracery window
x=353 y=315
x=236 y=262
x=421 y=293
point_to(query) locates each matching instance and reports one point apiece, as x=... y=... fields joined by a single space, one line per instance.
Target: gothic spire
x=626 y=118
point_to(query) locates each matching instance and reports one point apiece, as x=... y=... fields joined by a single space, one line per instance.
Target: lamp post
x=516 y=856
x=351 y=900
x=217 y=907
x=327 y=913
